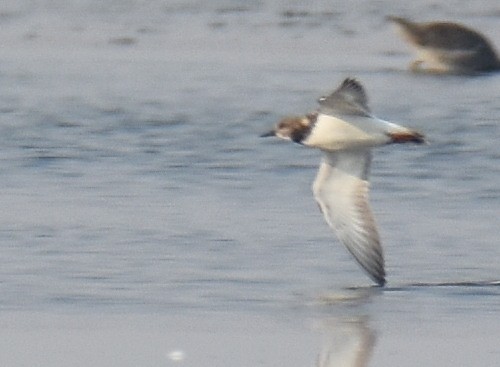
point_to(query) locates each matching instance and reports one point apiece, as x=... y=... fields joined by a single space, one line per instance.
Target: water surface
x=142 y=215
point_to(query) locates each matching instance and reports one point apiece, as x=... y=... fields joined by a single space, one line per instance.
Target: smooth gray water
x=142 y=213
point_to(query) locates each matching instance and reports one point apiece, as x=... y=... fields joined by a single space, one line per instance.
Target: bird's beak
x=268 y=134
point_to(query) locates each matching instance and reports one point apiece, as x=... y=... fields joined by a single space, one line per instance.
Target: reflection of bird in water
x=445 y=47
x=347 y=344
x=346 y=131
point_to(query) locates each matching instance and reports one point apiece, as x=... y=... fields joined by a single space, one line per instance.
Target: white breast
x=332 y=133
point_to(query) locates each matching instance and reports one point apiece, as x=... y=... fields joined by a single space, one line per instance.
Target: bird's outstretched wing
x=348 y=99
x=341 y=190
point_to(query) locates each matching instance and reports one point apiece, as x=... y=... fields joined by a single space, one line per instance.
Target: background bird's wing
x=341 y=190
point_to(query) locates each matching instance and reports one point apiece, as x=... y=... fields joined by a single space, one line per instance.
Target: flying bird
x=345 y=130
x=446 y=47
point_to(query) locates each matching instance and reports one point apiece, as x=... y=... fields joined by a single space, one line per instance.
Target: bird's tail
x=404 y=135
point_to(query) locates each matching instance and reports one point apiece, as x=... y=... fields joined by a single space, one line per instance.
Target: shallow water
x=143 y=215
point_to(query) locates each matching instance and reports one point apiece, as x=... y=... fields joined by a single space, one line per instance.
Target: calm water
x=143 y=215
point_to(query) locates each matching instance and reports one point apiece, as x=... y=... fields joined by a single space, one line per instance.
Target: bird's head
x=294 y=128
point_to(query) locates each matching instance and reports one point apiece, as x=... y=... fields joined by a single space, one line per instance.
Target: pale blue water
x=135 y=190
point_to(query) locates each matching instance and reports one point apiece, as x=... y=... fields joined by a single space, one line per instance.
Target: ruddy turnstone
x=346 y=131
